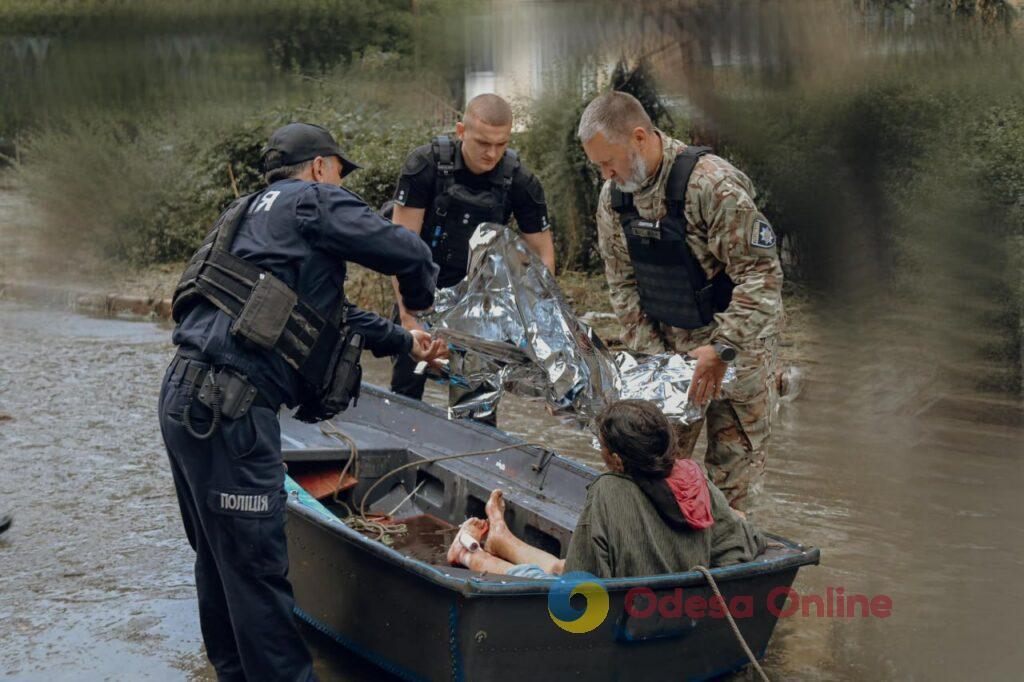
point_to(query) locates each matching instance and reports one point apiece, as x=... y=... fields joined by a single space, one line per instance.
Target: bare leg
x=504 y=545
x=484 y=562
x=474 y=528
x=476 y=560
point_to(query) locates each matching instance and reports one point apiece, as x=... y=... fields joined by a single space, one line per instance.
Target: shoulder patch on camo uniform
x=762 y=235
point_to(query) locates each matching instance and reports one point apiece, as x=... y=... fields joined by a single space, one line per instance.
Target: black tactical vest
x=672 y=285
x=458 y=210
x=267 y=314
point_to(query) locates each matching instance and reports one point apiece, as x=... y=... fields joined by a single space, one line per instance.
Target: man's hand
x=707 y=377
x=427 y=349
x=411 y=322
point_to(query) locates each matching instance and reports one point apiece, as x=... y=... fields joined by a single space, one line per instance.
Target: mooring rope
x=361 y=523
x=422 y=462
x=364 y=522
x=732 y=623
x=353 y=459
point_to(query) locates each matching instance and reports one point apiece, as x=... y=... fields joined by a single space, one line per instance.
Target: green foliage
x=318 y=35
x=554 y=153
x=150 y=194
x=106 y=189
x=550 y=148
x=999 y=138
x=140 y=57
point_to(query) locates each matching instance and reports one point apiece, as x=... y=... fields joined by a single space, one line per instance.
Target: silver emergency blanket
x=513 y=331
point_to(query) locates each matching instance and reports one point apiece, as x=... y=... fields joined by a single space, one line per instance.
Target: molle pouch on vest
x=344 y=379
x=196 y=262
x=266 y=312
x=347 y=376
x=189 y=289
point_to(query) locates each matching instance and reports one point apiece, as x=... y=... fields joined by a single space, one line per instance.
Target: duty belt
x=227 y=392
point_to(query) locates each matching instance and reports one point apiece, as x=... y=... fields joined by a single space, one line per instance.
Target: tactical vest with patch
x=458 y=210
x=673 y=287
x=267 y=314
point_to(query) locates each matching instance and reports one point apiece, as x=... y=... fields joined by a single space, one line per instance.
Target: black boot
x=5 y=522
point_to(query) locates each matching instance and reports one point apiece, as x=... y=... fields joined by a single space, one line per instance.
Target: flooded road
x=922 y=505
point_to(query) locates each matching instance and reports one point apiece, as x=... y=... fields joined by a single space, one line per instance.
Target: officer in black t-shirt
x=447 y=188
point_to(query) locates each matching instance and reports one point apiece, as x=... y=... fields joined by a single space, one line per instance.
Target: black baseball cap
x=298 y=142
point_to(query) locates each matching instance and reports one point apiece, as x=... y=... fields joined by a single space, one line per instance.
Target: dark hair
x=490 y=109
x=286 y=172
x=639 y=433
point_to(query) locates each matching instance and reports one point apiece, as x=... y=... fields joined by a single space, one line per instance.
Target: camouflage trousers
x=738 y=427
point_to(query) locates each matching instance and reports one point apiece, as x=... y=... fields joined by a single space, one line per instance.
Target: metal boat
x=404 y=609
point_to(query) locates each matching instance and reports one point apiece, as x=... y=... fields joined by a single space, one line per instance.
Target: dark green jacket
x=621 y=534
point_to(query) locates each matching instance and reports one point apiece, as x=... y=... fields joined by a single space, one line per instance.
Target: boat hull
x=422 y=621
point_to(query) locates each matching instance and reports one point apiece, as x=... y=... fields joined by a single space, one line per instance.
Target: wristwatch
x=725 y=353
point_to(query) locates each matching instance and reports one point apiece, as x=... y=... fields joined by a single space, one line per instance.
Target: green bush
x=149 y=194
x=571 y=183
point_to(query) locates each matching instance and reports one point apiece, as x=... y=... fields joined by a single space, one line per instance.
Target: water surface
x=96 y=574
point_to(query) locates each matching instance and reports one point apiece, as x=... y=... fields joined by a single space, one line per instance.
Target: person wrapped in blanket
x=651 y=513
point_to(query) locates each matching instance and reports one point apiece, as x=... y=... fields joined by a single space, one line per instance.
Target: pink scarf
x=689 y=486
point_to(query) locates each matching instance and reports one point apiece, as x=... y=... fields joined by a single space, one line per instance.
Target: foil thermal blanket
x=513 y=331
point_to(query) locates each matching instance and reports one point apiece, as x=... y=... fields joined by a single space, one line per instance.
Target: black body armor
x=268 y=314
x=458 y=210
x=672 y=285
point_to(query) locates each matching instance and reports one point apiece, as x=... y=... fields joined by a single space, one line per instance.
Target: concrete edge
x=85 y=300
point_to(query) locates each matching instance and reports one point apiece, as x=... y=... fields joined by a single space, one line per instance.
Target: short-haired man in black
x=450 y=186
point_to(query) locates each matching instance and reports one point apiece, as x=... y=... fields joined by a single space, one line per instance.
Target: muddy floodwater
x=920 y=505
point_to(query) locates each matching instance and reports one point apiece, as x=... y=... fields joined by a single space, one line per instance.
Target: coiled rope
x=365 y=522
x=358 y=522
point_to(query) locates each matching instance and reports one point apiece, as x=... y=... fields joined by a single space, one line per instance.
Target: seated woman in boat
x=651 y=513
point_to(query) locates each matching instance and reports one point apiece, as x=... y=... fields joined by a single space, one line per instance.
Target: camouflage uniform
x=723 y=226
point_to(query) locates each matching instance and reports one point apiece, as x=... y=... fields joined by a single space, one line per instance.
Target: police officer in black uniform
x=263 y=321
x=450 y=186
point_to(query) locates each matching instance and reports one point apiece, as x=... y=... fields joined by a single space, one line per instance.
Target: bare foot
x=495 y=509
x=468 y=539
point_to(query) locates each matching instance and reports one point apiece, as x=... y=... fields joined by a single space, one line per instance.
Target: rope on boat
x=410 y=465
x=335 y=432
x=732 y=623
x=361 y=523
x=364 y=522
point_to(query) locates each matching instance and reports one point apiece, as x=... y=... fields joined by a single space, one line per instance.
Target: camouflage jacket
x=725 y=230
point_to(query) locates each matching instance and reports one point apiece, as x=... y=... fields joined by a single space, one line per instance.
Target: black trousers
x=404 y=380
x=231 y=493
